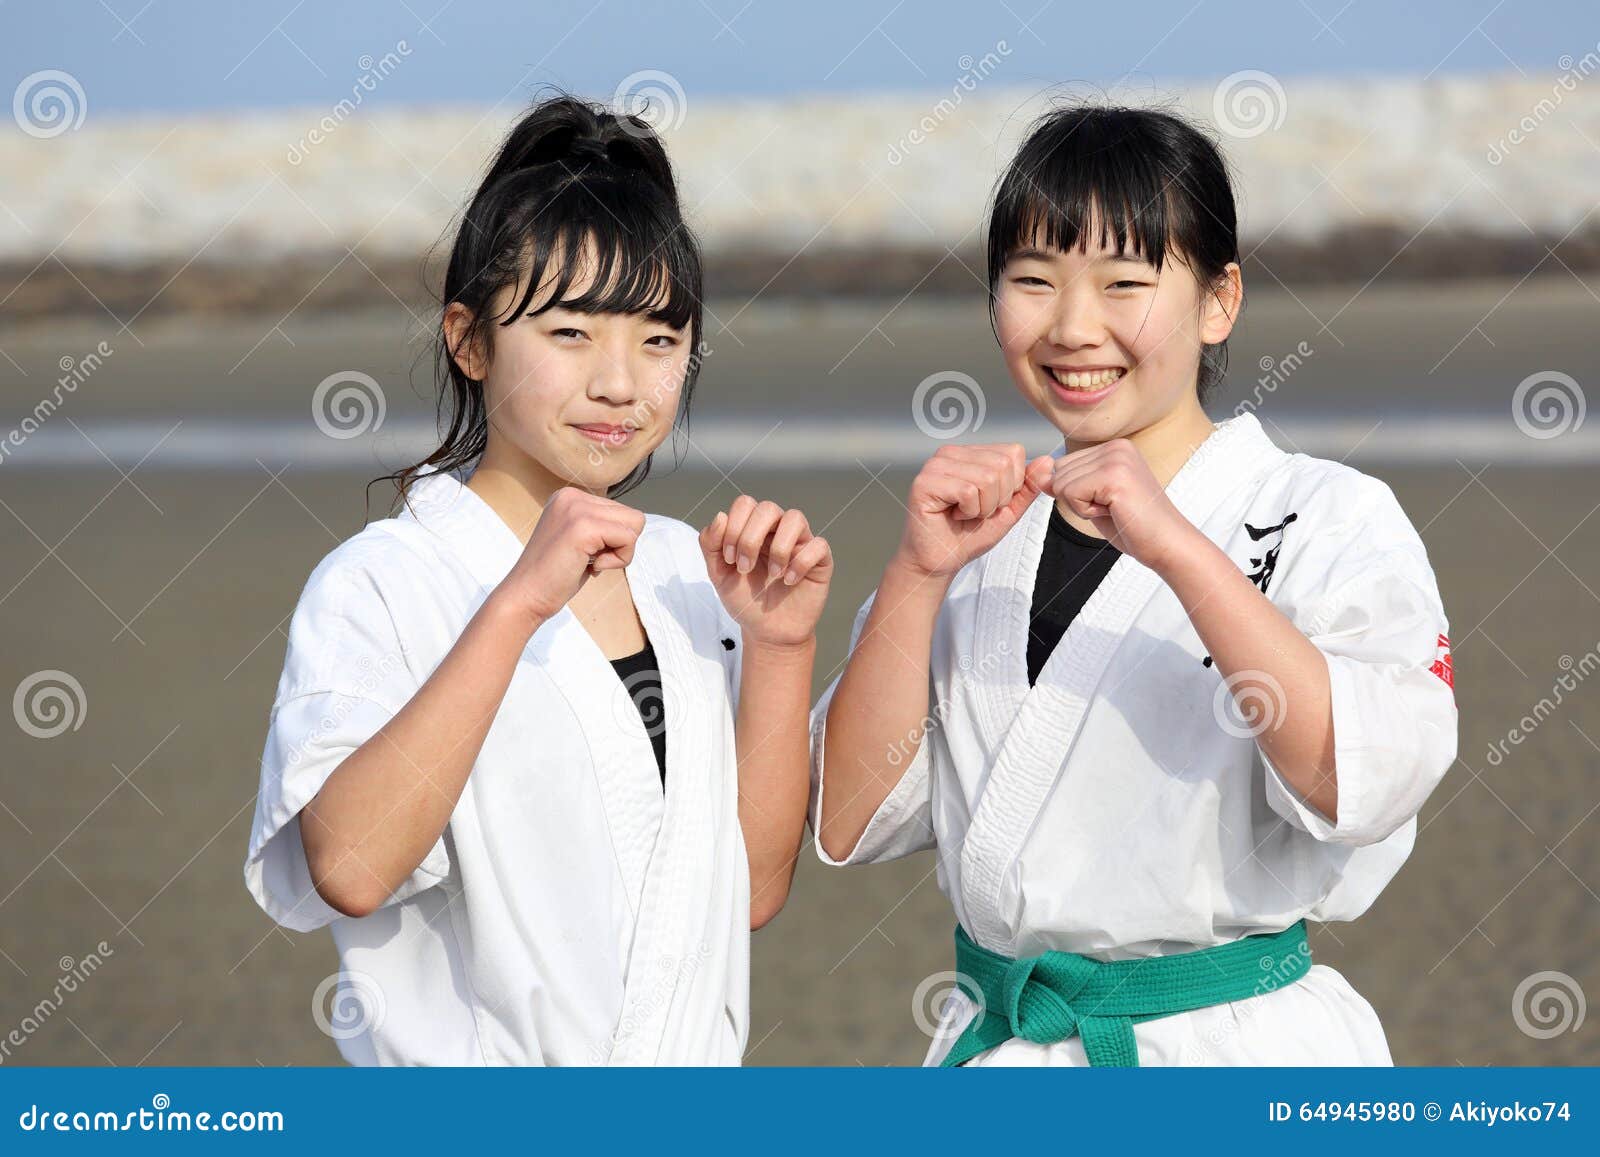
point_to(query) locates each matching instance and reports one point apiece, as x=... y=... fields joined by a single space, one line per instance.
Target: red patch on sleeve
x=1441 y=663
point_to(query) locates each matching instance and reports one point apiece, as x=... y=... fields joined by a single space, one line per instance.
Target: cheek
x=527 y=375
x=1018 y=323
x=1160 y=331
x=662 y=385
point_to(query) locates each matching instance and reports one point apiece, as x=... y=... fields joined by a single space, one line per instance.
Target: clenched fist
x=578 y=535
x=964 y=500
x=1113 y=487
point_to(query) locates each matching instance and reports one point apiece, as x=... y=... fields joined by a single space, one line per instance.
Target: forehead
x=1036 y=250
x=594 y=280
x=1049 y=232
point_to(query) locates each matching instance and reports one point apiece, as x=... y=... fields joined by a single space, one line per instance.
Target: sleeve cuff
x=900 y=826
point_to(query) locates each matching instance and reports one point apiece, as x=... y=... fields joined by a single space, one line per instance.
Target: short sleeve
x=345 y=675
x=903 y=823
x=1380 y=625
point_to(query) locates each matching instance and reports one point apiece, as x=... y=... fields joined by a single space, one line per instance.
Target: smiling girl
x=536 y=758
x=1171 y=692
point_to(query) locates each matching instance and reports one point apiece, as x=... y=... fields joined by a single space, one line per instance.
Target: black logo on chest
x=1267 y=563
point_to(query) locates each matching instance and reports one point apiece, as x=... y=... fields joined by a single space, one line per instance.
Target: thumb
x=711 y=536
x=1036 y=478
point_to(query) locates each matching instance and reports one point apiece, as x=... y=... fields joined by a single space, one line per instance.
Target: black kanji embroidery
x=1267 y=564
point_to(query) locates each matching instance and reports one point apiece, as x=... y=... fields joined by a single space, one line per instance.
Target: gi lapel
x=1032 y=730
x=664 y=848
x=679 y=878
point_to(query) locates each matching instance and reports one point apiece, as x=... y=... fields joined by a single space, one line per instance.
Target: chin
x=1099 y=425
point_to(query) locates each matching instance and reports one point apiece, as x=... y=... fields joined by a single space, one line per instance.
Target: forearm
x=1277 y=674
x=880 y=706
x=385 y=805
x=774 y=781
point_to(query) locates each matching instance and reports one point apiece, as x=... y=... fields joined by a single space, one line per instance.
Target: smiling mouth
x=1087 y=380
x=613 y=435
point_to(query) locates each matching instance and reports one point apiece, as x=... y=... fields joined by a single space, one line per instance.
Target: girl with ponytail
x=539 y=759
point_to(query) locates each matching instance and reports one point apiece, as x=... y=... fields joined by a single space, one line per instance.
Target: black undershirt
x=1070 y=568
x=641 y=675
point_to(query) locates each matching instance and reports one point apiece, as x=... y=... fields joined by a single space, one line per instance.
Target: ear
x=469 y=357
x=1220 y=307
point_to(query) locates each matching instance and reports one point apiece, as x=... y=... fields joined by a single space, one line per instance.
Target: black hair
x=571 y=178
x=1156 y=185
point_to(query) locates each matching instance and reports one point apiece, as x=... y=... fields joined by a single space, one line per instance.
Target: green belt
x=1058 y=995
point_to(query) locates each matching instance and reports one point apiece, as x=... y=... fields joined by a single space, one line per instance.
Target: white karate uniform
x=1122 y=808
x=571 y=913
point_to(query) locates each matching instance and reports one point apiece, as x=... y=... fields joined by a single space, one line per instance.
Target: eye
x=1030 y=280
x=568 y=332
x=661 y=341
x=1126 y=284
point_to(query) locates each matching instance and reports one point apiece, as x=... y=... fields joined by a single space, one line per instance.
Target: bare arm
x=386 y=804
x=774 y=689
x=1264 y=660
x=880 y=705
x=962 y=502
x=1267 y=664
x=772 y=575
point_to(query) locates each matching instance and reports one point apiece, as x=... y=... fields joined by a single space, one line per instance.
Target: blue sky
x=197 y=55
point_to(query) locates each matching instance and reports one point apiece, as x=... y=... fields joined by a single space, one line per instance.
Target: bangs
x=1082 y=181
x=606 y=246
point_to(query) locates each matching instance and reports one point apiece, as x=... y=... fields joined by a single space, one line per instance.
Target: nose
x=610 y=379
x=1076 y=323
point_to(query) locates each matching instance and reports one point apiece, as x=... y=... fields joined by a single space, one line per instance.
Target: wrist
x=780 y=651
x=1187 y=553
x=514 y=615
x=903 y=572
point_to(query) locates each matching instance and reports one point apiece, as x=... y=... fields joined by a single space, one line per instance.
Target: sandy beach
x=164 y=593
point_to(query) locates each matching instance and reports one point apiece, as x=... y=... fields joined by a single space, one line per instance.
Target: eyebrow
x=1031 y=253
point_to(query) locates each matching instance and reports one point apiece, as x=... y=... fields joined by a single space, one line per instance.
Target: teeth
x=1093 y=380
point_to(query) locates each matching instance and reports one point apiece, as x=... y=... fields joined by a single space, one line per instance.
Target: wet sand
x=166 y=596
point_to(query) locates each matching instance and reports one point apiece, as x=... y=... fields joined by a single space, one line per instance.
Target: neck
x=515 y=486
x=1168 y=442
